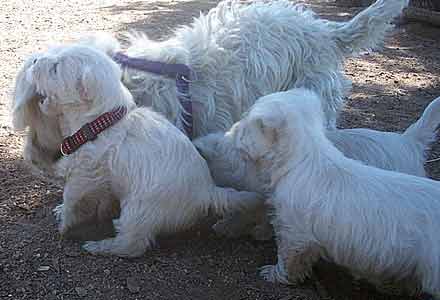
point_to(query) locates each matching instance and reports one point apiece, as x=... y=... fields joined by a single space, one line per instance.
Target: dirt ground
x=391 y=88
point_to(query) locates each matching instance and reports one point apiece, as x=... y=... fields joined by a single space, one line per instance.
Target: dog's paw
x=59 y=216
x=272 y=273
x=97 y=247
x=114 y=246
x=58 y=212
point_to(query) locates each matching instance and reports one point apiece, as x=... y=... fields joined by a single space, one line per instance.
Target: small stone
x=43 y=268
x=107 y=272
x=133 y=285
x=81 y=291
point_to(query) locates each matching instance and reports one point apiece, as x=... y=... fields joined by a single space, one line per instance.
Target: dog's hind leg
x=254 y=222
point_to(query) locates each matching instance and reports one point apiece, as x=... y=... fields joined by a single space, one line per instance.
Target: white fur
x=404 y=153
x=143 y=161
x=378 y=223
x=237 y=52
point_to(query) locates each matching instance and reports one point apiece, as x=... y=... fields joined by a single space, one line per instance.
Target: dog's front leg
x=79 y=204
x=295 y=261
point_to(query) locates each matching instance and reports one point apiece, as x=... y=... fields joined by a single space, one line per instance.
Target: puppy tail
x=425 y=129
x=367 y=30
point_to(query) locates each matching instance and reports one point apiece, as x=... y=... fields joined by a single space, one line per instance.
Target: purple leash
x=180 y=72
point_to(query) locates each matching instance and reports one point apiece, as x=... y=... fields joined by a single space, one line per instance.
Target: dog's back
x=406 y=152
x=385 y=150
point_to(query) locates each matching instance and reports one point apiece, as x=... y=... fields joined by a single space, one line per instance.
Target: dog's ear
x=259 y=135
x=24 y=91
x=23 y=102
x=269 y=127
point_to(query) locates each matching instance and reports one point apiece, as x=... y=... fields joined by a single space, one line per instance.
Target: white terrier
x=239 y=52
x=143 y=161
x=242 y=51
x=392 y=151
x=378 y=223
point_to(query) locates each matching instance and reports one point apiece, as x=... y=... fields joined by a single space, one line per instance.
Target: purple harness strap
x=180 y=72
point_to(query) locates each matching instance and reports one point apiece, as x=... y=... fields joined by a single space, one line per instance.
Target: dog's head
x=277 y=124
x=77 y=78
x=63 y=80
x=226 y=165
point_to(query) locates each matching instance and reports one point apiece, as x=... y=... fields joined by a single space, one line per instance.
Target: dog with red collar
x=112 y=150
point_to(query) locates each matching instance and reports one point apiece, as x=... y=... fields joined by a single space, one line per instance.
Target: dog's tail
x=367 y=30
x=425 y=129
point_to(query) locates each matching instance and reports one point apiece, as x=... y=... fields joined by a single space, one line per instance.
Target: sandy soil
x=391 y=88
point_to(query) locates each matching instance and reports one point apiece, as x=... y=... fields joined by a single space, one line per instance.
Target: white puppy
x=392 y=151
x=378 y=223
x=142 y=161
x=237 y=53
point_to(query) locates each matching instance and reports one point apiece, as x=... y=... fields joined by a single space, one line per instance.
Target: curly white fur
x=237 y=52
x=378 y=223
x=144 y=162
x=392 y=151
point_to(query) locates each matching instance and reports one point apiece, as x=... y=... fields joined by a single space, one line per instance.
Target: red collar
x=90 y=131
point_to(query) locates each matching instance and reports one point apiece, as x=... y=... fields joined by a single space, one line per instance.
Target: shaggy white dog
x=392 y=151
x=378 y=223
x=239 y=52
x=142 y=161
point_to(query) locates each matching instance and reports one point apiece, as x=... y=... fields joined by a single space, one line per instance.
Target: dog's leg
x=254 y=222
x=295 y=261
x=225 y=199
x=136 y=231
x=79 y=204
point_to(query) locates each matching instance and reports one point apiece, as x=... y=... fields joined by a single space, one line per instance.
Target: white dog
x=142 y=160
x=240 y=52
x=237 y=53
x=406 y=153
x=378 y=223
